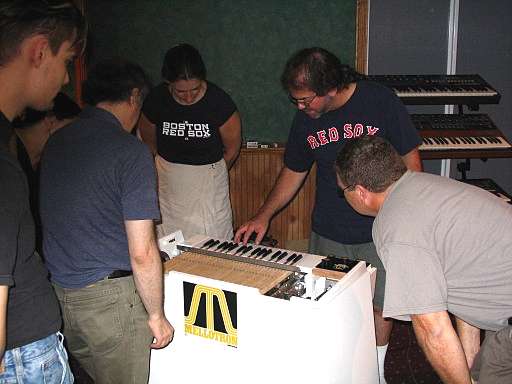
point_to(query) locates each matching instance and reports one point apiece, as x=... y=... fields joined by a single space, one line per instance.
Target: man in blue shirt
x=98 y=203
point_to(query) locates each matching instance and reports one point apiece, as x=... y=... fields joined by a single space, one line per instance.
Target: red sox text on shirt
x=350 y=131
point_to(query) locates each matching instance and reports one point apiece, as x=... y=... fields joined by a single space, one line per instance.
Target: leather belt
x=118 y=273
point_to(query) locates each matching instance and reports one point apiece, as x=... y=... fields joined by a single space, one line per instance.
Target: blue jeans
x=44 y=361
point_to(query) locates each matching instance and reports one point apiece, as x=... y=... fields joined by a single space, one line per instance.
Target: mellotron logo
x=210 y=313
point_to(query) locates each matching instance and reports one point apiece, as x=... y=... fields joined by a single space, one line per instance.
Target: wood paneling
x=362 y=36
x=251 y=180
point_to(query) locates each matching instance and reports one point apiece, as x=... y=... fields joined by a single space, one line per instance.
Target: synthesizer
x=440 y=89
x=490 y=186
x=447 y=136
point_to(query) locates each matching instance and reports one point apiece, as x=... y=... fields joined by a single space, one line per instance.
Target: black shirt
x=189 y=134
x=32 y=310
x=33 y=187
x=371 y=110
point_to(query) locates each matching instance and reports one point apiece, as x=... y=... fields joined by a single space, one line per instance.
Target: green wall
x=244 y=44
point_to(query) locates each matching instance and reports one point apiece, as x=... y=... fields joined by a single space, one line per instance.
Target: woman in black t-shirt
x=193 y=127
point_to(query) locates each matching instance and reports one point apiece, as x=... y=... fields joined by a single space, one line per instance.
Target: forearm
x=412 y=160
x=444 y=351
x=287 y=185
x=4 y=291
x=148 y=277
x=146 y=130
x=470 y=339
x=230 y=155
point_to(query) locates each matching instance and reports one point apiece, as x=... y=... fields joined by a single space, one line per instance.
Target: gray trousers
x=321 y=246
x=493 y=364
x=105 y=325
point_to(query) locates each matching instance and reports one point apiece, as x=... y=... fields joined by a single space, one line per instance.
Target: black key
x=265 y=253
x=222 y=245
x=290 y=258
x=242 y=248
x=214 y=243
x=261 y=252
x=208 y=243
x=297 y=258
x=247 y=249
x=255 y=251
x=275 y=255
x=281 y=256
x=232 y=246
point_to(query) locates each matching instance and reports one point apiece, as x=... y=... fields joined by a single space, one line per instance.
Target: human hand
x=162 y=331
x=257 y=224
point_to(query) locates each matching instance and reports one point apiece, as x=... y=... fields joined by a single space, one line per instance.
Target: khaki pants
x=105 y=325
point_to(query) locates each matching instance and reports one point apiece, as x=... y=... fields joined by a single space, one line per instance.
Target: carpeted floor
x=405 y=362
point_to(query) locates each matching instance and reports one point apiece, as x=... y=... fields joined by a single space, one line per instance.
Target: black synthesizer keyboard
x=446 y=136
x=490 y=186
x=440 y=121
x=440 y=89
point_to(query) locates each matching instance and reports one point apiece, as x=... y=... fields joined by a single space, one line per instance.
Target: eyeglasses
x=305 y=101
x=341 y=191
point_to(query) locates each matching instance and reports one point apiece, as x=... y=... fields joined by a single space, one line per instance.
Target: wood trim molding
x=362 y=36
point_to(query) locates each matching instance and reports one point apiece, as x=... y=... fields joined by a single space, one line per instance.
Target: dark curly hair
x=318 y=70
x=371 y=162
x=113 y=80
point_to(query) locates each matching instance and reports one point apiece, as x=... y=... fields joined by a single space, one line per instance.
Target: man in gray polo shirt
x=447 y=249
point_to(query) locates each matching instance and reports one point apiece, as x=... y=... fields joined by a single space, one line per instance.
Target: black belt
x=118 y=273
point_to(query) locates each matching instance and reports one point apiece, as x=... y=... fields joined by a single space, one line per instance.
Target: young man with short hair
x=37 y=41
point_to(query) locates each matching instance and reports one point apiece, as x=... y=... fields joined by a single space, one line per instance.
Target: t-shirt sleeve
x=401 y=133
x=225 y=106
x=151 y=105
x=11 y=189
x=415 y=282
x=138 y=180
x=297 y=155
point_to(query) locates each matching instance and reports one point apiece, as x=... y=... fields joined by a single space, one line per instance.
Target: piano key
x=208 y=243
x=213 y=244
x=241 y=249
x=247 y=249
x=232 y=246
x=464 y=142
x=297 y=258
x=290 y=258
x=277 y=253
